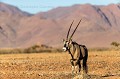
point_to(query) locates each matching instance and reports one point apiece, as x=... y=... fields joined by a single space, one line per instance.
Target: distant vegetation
x=99 y=49
x=32 y=49
x=47 y=49
x=115 y=44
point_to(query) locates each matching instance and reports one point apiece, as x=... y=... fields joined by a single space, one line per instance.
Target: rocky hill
x=99 y=26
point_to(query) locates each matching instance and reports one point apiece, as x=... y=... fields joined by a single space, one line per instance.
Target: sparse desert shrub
x=5 y=51
x=32 y=49
x=15 y=51
x=99 y=49
x=35 y=46
x=115 y=44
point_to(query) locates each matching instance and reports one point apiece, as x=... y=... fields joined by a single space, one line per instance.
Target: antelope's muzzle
x=64 y=49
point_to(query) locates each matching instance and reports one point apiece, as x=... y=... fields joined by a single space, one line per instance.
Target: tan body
x=78 y=53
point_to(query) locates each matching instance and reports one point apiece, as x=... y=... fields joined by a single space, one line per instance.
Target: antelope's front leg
x=73 y=69
x=72 y=64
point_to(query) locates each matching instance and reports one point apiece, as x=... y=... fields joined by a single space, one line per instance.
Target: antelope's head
x=68 y=41
x=66 y=45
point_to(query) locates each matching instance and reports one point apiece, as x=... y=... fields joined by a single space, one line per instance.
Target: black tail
x=85 y=67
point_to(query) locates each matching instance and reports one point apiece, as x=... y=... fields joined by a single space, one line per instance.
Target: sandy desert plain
x=102 y=65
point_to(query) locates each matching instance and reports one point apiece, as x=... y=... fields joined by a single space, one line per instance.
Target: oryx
x=78 y=52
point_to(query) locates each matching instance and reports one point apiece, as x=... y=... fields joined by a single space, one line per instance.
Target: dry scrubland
x=102 y=65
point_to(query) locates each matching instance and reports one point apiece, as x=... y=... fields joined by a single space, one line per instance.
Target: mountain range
x=99 y=27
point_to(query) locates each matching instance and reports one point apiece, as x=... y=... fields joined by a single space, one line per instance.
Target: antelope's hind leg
x=79 y=65
x=85 y=68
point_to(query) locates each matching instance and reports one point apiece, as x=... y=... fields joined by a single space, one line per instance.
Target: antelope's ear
x=63 y=40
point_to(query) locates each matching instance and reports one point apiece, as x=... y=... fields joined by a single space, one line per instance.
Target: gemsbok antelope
x=78 y=52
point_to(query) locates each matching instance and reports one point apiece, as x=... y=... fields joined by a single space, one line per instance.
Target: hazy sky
x=34 y=6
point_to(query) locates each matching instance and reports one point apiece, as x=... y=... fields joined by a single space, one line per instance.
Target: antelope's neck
x=72 y=49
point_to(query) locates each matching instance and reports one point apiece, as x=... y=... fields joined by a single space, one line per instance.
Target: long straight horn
x=75 y=30
x=69 y=29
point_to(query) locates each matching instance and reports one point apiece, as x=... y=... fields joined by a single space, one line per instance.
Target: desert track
x=102 y=65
